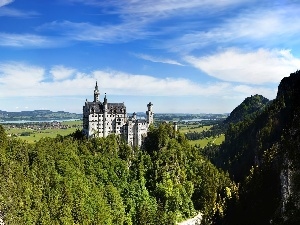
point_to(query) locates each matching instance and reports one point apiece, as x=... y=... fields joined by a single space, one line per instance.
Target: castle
x=102 y=118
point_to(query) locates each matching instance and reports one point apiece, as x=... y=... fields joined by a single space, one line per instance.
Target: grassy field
x=204 y=142
x=36 y=135
x=201 y=142
x=193 y=128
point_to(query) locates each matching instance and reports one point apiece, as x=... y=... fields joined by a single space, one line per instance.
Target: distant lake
x=196 y=120
x=38 y=121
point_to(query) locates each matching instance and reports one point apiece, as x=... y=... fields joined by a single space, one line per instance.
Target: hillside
x=262 y=154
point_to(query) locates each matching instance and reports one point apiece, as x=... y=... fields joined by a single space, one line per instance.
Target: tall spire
x=96 y=93
x=105 y=99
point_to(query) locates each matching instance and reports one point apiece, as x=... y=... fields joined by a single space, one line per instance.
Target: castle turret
x=105 y=100
x=149 y=113
x=96 y=93
x=175 y=126
x=134 y=116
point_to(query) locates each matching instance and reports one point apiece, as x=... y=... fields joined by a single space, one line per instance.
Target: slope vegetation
x=262 y=154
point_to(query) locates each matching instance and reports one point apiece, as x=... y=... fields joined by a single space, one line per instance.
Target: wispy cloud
x=256 y=67
x=162 y=7
x=27 y=41
x=19 y=79
x=98 y=33
x=5 y=2
x=262 y=26
x=11 y=12
x=137 y=19
x=158 y=59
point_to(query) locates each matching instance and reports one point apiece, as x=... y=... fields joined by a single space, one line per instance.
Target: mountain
x=262 y=154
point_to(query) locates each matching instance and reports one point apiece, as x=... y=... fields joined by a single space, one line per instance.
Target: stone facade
x=102 y=118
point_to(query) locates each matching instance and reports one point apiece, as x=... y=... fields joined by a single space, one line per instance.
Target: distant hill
x=37 y=115
x=247 y=109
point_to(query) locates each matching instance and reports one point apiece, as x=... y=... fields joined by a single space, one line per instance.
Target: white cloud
x=257 y=67
x=122 y=83
x=61 y=72
x=5 y=2
x=19 y=79
x=158 y=59
x=247 y=90
x=27 y=84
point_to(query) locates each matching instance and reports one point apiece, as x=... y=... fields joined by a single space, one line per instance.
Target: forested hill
x=262 y=154
x=71 y=180
x=247 y=109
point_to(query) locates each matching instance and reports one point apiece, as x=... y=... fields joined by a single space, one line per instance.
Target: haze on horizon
x=185 y=56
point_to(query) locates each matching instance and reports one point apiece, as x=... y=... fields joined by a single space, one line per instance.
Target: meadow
x=193 y=128
x=32 y=135
x=188 y=128
x=212 y=140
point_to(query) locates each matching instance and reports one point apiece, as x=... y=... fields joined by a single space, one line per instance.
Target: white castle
x=102 y=118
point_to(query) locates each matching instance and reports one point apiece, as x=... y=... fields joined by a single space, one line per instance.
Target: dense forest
x=261 y=152
x=71 y=180
x=252 y=178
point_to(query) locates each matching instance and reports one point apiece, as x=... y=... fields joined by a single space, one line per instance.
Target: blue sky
x=186 y=56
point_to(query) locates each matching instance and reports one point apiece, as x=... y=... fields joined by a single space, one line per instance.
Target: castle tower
x=96 y=93
x=105 y=109
x=149 y=113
